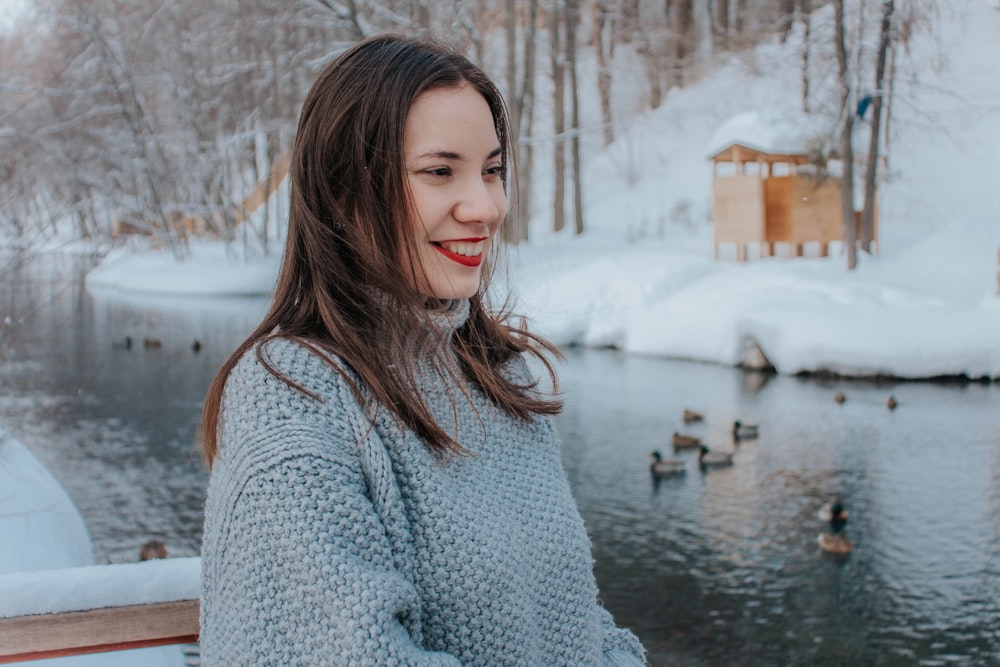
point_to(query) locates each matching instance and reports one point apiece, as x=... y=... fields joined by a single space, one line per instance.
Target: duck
x=153 y=549
x=707 y=458
x=834 y=543
x=152 y=342
x=743 y=431
x=891 y=402
x=692 y=416
x=833 y=513
x=122 y=344
x=662 y=467
x=839 y=397
x=682 y=441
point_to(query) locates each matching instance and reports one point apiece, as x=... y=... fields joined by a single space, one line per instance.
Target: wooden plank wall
x=816 y=206
x=779 y=207
x=738 y=209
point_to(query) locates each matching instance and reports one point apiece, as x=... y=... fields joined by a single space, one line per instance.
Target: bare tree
x=871 y=164
x=846 y=148
x=557 y=17
x=701 y=13
x=526 y=114
x=805 y=15
x=604 y=45
x=679 y=22
x=572 y=17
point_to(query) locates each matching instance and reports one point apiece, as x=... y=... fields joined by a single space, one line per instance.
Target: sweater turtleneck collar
x=449 y=315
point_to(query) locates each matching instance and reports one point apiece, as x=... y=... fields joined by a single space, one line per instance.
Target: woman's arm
x=297 y=567
x=302 y=574
x=621 y=647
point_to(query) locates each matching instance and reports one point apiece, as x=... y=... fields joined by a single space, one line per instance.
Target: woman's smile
x=467 y=252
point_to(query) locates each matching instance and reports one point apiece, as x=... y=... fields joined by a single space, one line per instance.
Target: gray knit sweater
x=331 y=542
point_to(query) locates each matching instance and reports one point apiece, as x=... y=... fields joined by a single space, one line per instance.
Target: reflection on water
x=710 y=568
x=115 y=425
x=723 y=566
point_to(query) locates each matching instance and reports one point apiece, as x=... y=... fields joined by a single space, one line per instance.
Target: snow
x=770 y=131
x=208 y=269
x=99 y=586
x=34 y=509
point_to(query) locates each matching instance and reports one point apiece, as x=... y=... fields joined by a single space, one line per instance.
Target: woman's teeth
x=465 y=248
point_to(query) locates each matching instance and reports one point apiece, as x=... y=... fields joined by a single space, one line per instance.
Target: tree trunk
x=677 y=11
x=510 y=231
x=887 y=101
x=721 y=22
x=787 y=18
x=511 y=51
x=805 y=10
x=556 y=16
x=627 y=25
x=702 y=15
x=525 y=151
x=572 y=15
x=871 y=166
x=599 y=15
x=739 y=16
x=652 y=61
x=846 y=149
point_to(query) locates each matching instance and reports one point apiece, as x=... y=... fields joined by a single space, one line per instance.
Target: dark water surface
x=709 y=568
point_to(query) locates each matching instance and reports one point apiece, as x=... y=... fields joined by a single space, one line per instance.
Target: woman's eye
x=496 y=170
x=439 y=171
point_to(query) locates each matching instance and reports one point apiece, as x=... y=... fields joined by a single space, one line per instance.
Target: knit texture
x=333 y=540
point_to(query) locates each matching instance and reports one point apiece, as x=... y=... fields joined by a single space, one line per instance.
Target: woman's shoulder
x=281 y=379
x=285 y=397
x=271 y=362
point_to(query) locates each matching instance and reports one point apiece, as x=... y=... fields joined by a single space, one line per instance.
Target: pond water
x=719 y=567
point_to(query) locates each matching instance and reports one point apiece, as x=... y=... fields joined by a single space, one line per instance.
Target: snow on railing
x=49 y=613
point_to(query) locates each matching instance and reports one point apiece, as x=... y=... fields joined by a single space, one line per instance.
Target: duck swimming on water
x=834 y=514
x=681 y=441
x=743 y=431
x=710 y=459
x=834 y=543
x=661 y=467
x=692 y=416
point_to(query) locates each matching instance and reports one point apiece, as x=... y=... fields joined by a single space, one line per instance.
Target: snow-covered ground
x=642 y=278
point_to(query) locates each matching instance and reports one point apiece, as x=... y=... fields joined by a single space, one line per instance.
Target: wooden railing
x=96 y=630
x=52 y=613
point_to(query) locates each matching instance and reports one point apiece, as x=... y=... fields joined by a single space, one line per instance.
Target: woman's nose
x=481 y=202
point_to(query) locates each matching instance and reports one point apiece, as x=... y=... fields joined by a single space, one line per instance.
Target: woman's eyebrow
x=447 y=155
x=452 y=155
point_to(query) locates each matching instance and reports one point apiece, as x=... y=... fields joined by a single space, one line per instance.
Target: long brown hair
x=342 y=288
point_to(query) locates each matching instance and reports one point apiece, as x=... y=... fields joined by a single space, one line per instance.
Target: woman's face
x=454 y=173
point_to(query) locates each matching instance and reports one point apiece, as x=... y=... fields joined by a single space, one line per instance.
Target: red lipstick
x=464 y=260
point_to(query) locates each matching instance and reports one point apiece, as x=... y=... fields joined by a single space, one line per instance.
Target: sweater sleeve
x=297 y=566
x=621 y=647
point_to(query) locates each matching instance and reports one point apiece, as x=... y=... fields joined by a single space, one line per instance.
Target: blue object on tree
x=863 y=105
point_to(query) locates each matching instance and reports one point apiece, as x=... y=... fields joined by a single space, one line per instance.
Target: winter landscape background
x=642 y=279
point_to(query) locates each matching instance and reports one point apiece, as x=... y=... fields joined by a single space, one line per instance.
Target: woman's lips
x=466 y=245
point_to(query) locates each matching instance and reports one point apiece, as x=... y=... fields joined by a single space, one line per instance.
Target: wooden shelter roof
x=769 y=135
x=740 y=152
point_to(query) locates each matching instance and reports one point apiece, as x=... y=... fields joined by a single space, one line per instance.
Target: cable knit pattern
x=330 y=540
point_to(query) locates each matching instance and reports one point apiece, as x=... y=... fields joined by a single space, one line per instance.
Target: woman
x=386 y=486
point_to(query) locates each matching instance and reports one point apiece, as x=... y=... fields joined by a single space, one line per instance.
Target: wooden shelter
x=766 y=195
